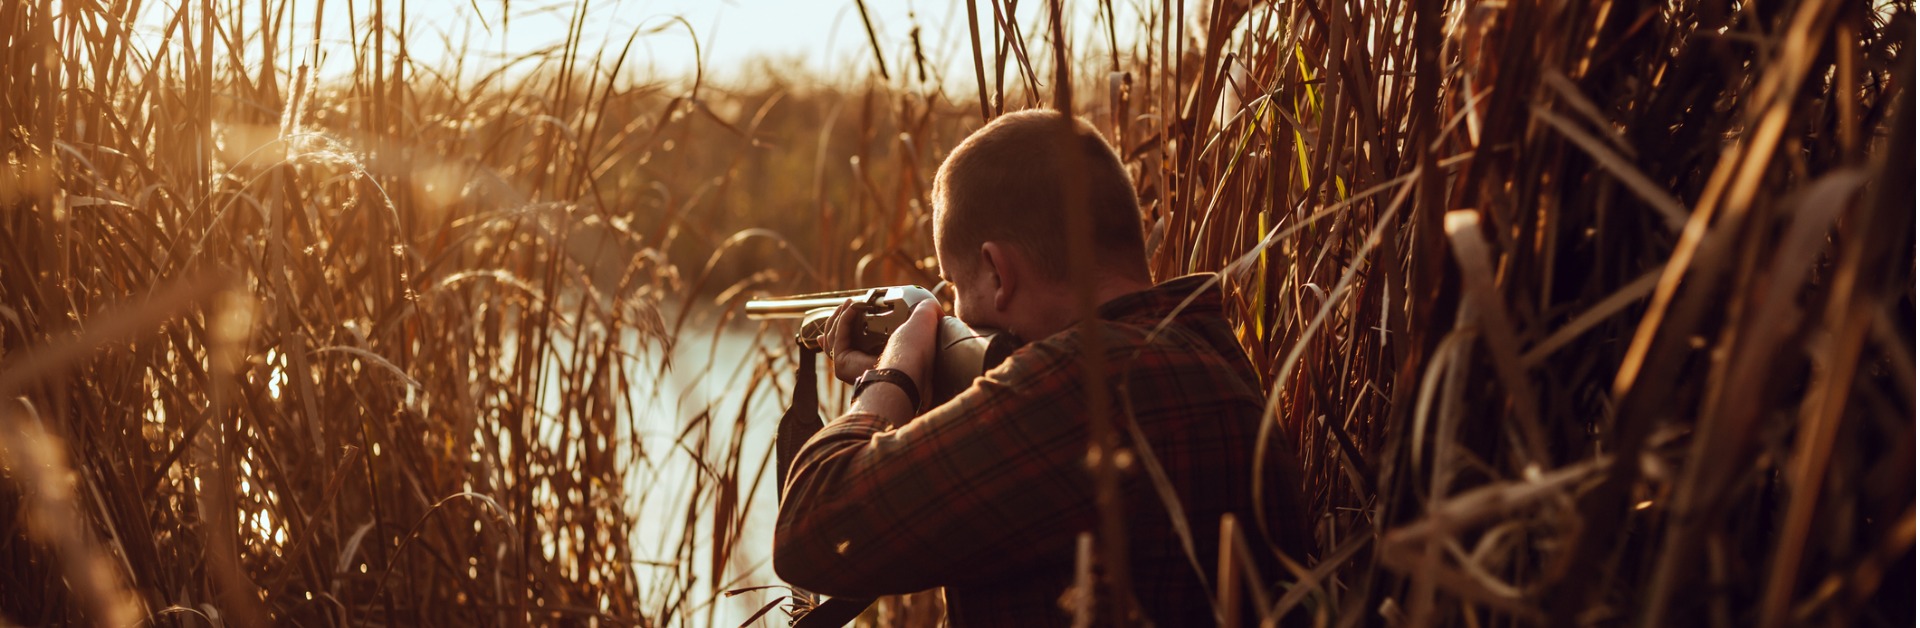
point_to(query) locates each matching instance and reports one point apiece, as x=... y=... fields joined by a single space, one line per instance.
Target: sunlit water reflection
x=691 y=422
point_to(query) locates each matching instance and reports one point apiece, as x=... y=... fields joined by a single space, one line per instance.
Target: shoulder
x=1172 y=334
x=1189 y=355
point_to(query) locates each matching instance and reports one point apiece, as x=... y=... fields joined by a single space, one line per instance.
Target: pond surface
x=710 y=417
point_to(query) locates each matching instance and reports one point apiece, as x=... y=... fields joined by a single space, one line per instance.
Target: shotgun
x=962 y=355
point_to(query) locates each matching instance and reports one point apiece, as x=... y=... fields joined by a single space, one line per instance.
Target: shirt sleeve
x=985 y=483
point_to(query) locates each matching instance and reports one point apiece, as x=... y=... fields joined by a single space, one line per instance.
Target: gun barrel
x=798 y=305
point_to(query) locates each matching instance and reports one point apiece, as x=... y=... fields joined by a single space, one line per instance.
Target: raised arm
x=974 y=487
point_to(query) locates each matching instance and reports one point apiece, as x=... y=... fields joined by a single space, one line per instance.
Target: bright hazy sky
x=824 y=35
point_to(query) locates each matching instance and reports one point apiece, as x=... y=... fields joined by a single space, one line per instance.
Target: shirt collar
x=1202 y=288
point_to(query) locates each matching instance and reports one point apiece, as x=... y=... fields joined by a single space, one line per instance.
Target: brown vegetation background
x=1585 y=312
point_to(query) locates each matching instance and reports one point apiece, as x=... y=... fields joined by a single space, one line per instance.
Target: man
x=987 y=494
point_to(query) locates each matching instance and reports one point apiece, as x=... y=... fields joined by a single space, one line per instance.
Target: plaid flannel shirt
x=986 y=495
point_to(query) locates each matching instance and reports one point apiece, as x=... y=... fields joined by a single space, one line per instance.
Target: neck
x=1064 y=309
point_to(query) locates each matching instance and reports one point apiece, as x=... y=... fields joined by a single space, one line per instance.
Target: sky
x=825 y=38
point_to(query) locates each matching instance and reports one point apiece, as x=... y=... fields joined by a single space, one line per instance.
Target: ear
x=1005 y=271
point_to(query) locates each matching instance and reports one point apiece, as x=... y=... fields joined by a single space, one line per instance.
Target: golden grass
x=1576 y=313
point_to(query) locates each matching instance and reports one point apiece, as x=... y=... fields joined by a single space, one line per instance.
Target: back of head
x=1016 y=180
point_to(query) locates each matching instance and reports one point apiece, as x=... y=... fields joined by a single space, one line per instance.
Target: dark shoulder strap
x=802 y=419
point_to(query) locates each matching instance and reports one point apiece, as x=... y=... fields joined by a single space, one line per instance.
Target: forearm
x=842 y=528
x=963 y=492
x=885 y=401
x=834 y=534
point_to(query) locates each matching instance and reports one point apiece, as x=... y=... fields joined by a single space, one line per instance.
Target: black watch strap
x=896 y=377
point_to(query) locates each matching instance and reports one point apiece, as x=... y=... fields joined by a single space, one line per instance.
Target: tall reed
x=284 y=350
x=1583 y=313
x=1577 y=313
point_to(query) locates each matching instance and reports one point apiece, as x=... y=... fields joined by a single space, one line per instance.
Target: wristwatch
x=896 y=377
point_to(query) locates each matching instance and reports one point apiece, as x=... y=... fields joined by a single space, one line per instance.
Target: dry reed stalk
x=1654 y=369
x=1543 y=249
x=407 y=316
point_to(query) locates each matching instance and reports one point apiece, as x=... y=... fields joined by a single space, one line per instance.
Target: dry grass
x=1577 y=313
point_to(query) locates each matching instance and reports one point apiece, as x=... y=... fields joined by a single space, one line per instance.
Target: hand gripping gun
x=963 y=353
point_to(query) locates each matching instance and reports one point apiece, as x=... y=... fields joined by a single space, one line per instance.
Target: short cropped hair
x=1011 y=181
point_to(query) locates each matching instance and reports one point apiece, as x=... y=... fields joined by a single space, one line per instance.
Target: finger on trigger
x=928 y=308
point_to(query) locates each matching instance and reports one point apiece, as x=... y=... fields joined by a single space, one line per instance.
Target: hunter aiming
x=989 y=494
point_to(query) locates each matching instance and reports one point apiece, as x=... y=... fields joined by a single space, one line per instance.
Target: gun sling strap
x=799 y=424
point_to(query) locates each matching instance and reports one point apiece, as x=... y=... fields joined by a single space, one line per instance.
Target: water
x=691 y=423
